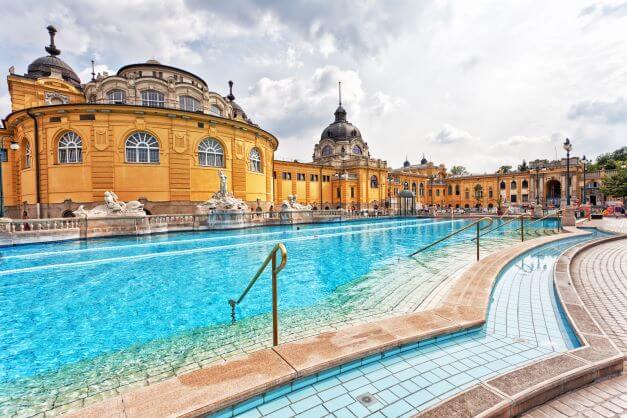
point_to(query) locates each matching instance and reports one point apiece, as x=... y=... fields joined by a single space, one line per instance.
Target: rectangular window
x=286 y=176
x=490 y=194
x=467 y=195
x=4 y=155
x=352 y=192
x=87 y=117
x=326 y=179
x=300 y=176
x=55 y=119
x=313 y=177
x=274 y=174
x=339 y=193
x=525 y=198
x=513 y=198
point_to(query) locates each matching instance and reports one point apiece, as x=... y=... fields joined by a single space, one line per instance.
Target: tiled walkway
x=523 y=325
x=600 y=276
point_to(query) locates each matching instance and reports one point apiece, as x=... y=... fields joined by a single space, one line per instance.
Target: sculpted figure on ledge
x=222 y=200
x=112 y=207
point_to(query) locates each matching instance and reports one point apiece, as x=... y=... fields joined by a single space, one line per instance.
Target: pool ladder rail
x=476 y=223
x=521 y=218
x=275 y=272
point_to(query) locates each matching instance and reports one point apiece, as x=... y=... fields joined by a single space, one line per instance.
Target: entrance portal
x=553 y=193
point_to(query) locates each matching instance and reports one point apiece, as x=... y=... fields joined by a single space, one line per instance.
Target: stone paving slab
x=467 y=302
x=599 y=275
x=534 y=384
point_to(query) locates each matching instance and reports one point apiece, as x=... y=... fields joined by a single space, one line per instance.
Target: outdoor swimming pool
x=525 y=323
x=90 y=311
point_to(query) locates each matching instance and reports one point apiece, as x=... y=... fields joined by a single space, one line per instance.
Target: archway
x=553 y=193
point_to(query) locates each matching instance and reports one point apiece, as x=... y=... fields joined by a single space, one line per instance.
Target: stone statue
x=112 y=207
x=222 y=182
x=291 y=205
x=222 y=201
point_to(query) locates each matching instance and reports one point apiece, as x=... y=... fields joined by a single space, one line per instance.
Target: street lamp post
x=583 y=197
x=14 y=147
x=568 y=147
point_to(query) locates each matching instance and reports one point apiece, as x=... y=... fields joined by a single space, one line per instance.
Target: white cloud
x=602 y=111
x=465 y=82
x=450 y=135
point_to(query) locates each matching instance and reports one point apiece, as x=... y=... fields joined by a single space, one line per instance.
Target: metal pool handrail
x=275 y=271
x=478 y=222
x=521 y=217
x=540 y=219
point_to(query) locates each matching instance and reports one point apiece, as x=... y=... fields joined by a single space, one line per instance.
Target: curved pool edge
x=517 y=391
x=243 y=379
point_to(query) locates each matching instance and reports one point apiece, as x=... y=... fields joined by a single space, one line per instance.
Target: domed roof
x=44 y=66
x=340 y=129
x=424 y=160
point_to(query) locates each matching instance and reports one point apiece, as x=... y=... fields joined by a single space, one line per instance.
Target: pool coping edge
x=518 y=401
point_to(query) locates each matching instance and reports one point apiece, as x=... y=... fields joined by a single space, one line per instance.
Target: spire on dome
x=230 y=96
x=52 y=48
x=339 y=84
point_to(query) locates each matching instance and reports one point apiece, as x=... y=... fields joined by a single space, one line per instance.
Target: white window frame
x=141 y=148
x=70 y=148
x=210 y=153
x=153 y=98
x=116 y=96
x=189 y=103
x=255 y=160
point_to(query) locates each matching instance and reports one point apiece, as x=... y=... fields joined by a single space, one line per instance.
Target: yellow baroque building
x=150 y=132
x=158 y=134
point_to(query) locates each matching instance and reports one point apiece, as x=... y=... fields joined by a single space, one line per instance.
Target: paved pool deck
x=600 y=277
x=216 y=387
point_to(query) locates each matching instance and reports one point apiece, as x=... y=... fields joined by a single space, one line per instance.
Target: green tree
x=523 y=167
x=616 y=185
x=505 y=169
x=459 y=170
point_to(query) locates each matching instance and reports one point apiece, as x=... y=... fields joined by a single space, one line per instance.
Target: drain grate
x=367 y=399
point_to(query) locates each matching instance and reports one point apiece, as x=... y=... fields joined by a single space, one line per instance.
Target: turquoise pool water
x=525 y=323
x=72 y=304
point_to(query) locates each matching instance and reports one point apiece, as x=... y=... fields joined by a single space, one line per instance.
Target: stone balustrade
x=23 y=231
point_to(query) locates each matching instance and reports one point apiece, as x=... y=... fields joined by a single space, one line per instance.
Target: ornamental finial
x=230 y=96
x=52 y=49
x=339 y=87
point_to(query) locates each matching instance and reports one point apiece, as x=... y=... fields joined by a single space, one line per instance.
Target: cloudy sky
x=477 y=83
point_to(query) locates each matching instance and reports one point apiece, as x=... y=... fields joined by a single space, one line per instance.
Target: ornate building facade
x=158 y=134
x=150 y=132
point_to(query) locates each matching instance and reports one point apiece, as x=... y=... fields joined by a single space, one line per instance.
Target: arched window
x=356 y=150
x=374 y=182
x=27 y=155
x=502 y=185
x=457 y=190
x=210 y=153
x=327 y=150
x=450 y=190
x=153 y=98
x=116 y=96
x=405 y=185
x=512 y=185
x=70 y=148
x=214 y=109
x=189 y=103
x=437 y=192
x=525 y=184
x=141 y=147
x=255 y=160
x=421 y=189
x=413 y=188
